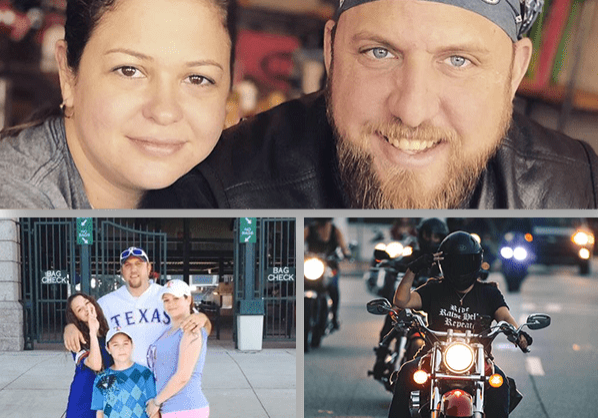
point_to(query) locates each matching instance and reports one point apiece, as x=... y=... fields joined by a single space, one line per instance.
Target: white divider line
x=534 y=366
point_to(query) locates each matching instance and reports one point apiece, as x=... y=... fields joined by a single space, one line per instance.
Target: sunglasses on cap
x=135 y=252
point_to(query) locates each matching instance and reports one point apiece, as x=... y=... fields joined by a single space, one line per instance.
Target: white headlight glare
x=458 y=357
x=581 y=238
x=313 y=268
x=506 y=252
x=380 y=246
x=394 y=249
x=520 y=253
x=407 y=251
x=584 y=254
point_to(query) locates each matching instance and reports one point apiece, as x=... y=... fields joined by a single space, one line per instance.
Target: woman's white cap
x=176 y=288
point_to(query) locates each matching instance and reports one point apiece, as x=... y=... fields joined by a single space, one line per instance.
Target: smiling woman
x=144 y=87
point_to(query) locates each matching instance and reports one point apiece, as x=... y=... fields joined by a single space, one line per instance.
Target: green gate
x=272 y=275
x=55 y=265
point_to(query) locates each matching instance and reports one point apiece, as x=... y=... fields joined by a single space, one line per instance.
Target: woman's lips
x=157 y=147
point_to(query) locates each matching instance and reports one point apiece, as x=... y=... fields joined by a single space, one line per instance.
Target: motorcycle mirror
x=381 y=255
x=379 y=306
x=538 y=321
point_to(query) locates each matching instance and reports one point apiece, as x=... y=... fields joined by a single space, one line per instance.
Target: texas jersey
x=143 y=316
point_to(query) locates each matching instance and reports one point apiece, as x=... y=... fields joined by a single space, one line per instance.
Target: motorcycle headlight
x=380 y=246
x=313 y=268
x=520 y=253
x=458 y=357
x=506 y=253
x=407 y=251
x=394 y=249
x=584 y=254
x=582 y=238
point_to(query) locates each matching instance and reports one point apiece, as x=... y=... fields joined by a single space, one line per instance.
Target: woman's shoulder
x=36 y=143
x=30 y=163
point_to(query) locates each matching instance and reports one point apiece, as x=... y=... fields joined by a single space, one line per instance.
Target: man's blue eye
x=380 y=53
x=458 y=61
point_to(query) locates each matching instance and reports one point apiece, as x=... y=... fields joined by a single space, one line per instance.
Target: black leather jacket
x=286 y=158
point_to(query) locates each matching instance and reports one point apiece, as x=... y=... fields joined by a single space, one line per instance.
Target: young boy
x=123 y=389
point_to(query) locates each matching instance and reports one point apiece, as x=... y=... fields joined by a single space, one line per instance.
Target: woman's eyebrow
x=129 y=52
x=141 y=56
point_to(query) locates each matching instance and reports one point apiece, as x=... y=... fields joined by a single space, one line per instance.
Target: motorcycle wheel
x=309 y=325
x=513 y=284
x=319 y=325
x=514 y=276
x=584 y=267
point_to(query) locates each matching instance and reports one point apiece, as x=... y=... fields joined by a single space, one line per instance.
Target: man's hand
x=195 y=322
x=525 y=340
x=73 y=338
x=421 y=263
x=151 y=408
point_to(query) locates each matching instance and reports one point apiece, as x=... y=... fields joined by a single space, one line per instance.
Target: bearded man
x=417 y=113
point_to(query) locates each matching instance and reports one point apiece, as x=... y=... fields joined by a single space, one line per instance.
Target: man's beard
x=405 y=188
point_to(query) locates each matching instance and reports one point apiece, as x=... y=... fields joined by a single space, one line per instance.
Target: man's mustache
x=397 y=131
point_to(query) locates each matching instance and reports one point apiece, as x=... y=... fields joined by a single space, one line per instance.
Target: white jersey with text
x=144 y=317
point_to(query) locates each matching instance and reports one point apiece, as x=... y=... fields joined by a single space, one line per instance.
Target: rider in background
x=322 y=237
x=430 y=233
x=458 y=300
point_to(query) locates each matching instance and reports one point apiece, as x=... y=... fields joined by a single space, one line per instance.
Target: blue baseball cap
x=515 y=17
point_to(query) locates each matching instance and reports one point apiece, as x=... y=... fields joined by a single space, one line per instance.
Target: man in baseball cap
x=417 y=113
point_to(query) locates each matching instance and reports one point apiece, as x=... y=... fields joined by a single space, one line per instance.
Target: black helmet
x=430 y=232
x=462 y=259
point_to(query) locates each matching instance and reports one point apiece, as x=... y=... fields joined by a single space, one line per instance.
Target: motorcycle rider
x=402 y=228
x=458 y=301
x=323 y=237
x=430 y=233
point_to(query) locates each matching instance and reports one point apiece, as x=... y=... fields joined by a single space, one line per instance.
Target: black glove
x=421 y=263
x=528 y=338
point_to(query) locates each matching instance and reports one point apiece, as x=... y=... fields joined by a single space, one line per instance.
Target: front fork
x=478 y=406
x=436 y=404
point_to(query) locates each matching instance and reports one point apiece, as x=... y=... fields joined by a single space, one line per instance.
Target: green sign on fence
x=247 y=228
x=84 y=231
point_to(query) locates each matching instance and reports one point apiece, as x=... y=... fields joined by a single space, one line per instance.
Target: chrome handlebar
x=500 y=327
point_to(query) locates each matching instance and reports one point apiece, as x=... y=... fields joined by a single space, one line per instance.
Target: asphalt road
x=559 y=378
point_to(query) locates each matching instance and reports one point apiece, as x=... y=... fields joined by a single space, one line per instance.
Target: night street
x=559 y=375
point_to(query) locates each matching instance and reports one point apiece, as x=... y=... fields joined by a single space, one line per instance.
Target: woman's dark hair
x=82 y=17
x=191 y=310
x=71 y=318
